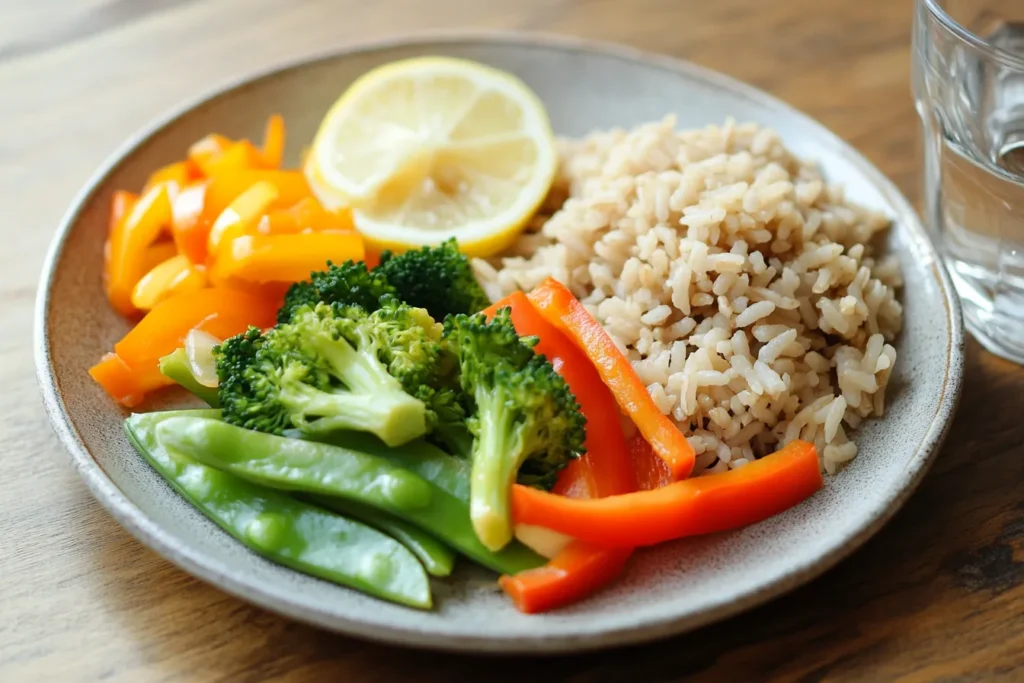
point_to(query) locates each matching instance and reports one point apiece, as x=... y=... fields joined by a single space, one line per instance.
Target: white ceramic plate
x=668 y=589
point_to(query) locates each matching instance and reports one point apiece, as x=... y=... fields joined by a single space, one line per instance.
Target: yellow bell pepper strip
x=283 y=258
x=273 y=142
x=556 y=303
x=241 y=215
x=126 y=385
x=190 y=224
x=699 y=505
x=221 y=312
x=155 y=254
x=137 y=230
x=173 y=276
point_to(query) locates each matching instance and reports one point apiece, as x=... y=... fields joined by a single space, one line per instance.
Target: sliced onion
x=543 y=541
x=199 y=351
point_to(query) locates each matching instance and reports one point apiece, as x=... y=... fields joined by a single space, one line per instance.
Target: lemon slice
x=431 y=148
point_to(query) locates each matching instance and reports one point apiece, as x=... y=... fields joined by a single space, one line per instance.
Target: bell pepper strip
x=556 y=303
x=699 y=505
x=650 y=470
x=578 y=571
x=173 y=276
x=242 y=214
x=239 y=155
x=605 y=469
x=225 y=187
x=283 y=529
x=138 y=229
x=580 y=568
x=306 y=216
x=120 y=204
x=124 y=384
x=222 y=312
x=205 y=150
x=176 y=176
x=190 y=222
x=155 y=254
x=283 y=258
x=273 y=142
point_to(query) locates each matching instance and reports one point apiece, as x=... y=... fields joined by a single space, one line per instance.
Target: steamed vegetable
x=345 y=472
x=348 y=284
x=282 y=529
x=700 y=505
x=439 y=279
x=525 y=422
x=175 y=366
x=560 y=307
x=322 y=372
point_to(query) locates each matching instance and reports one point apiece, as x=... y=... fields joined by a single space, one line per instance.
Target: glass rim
x=971 y=38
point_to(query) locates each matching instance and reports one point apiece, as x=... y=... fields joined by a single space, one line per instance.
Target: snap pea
x=175 y=366
x=282 y=529
x=313 y=467
x=437 y=558
x=296 y=465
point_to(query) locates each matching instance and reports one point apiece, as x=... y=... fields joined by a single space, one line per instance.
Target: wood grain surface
x=936 y=596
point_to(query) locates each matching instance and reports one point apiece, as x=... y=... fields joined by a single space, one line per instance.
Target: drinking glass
x=968 y=82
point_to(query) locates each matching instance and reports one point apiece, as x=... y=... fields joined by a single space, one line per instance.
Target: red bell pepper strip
x=650 y=470
x=578 y=571
x=700 y=505
x=605 y=470
x=561 y=308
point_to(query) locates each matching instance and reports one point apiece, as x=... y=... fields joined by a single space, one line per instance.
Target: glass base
x=996 y=321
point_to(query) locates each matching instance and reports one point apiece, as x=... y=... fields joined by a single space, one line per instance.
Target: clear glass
x=968 y=80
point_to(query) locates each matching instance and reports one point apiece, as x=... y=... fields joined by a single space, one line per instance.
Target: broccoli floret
x=320 y=373
x=526 y=422
x=349 y=284
x=412 y=350
x=438 y=279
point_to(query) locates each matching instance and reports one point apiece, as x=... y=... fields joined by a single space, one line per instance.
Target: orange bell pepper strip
x=561 y=308
x=308 y=215
x=120 y=204
x=204 y=151
x=223 y=312
x=273 y=142
x=605 y=470
x=155 y=254
x=190 y=223
x=283 y=258
x=137 y=230
x=172 y=276
x=225 y=187
x=578 y=571
x=650 y=470
x=175 y=176
x=124 y=384
x=241 y=215
x=238 y=156
x=700 y=505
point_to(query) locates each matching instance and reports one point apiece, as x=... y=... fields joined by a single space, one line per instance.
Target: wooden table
x=937 y=595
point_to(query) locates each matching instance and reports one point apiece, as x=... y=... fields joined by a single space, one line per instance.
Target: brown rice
x=742 y=286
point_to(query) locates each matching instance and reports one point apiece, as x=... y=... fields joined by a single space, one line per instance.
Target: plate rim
x=196 y=563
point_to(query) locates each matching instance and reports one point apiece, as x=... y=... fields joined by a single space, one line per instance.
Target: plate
x=666 y=590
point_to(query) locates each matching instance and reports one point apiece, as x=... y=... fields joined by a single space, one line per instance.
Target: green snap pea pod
x=437 y=558
x=282 y=529
x=175 y=366
x=445 y=471
x=314 y=467
x=296 y=465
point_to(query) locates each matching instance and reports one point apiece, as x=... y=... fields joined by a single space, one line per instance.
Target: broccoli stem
x=372 y=401
x=497 y=455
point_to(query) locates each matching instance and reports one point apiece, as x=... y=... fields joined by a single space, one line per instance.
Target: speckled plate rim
x=196 y=563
